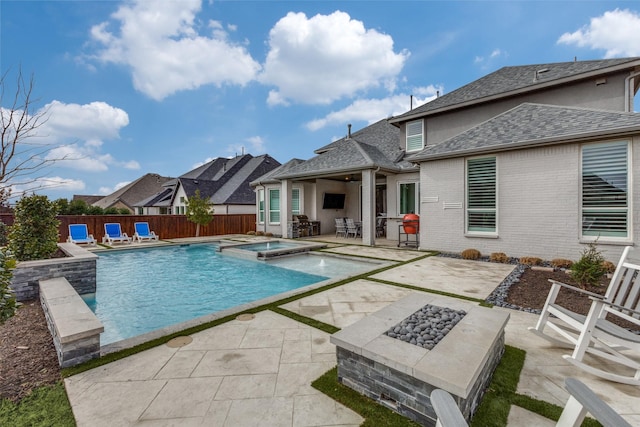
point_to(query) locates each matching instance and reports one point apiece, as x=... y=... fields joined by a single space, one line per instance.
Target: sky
x=126 y=88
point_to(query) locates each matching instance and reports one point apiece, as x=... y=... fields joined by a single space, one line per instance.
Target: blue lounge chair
x=142 y=232
x=78 y=233
x=113 y=234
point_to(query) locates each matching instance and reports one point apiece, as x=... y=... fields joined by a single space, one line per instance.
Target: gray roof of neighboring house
x=161 y=199
x=513 y=80
x=142 y=188
x=88 y=199
x=533 y=125
x=377 y=145
x=226 y=181
x=268 y=178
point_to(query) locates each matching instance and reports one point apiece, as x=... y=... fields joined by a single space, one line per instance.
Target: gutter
x=628 y=92
x=528 y=144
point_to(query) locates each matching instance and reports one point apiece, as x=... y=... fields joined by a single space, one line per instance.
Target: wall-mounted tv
x=333 y=201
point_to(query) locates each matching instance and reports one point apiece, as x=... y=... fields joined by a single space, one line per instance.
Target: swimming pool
x=142 y=290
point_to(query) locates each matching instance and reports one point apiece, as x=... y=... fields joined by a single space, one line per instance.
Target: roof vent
x=536 y=75
x=349 y=131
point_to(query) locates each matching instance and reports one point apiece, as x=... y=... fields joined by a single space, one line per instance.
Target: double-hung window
x=605 y=190
x=408 y=194
x=415 y=136
x=260 y=206
x=295 y=201
x=481 y=212
x=274 y=206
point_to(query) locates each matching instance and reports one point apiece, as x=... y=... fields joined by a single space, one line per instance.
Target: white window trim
x=261 y=192
x=406 y=138
x=300 y=199
x=399 y=194
x=279 y=208
x=485 y=234
x=630 y=187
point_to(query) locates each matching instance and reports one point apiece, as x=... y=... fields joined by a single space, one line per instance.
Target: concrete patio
x=258 y=371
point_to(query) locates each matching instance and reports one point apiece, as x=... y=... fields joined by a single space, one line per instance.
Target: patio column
x=285 y=207
x=369 y=207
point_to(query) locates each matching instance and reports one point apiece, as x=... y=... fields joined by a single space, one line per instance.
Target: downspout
x=628 y=99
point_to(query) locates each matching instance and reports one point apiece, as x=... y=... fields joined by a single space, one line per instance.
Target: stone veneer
x=79 y=268
x=402 y=376
x=74 y=327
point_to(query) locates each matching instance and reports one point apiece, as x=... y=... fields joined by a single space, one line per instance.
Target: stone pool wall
x=79 y=268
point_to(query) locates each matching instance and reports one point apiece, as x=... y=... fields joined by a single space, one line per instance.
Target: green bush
x=589 y=269
x=124 y=211
x=7 y=298
x=34 y=234
x=4 y=232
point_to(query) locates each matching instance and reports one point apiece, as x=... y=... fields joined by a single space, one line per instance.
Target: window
x=481 y=195
x=605 y=196
x=274 y=206
x=414 y=136
x=295 y=201
x=261 y=206
x=181 y=199
x=140 y=211
x=408 y=196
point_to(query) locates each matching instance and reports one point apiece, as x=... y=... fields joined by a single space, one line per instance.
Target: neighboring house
x=530 y=160
x=88 y=199
x=224 y=181
x=128 y=196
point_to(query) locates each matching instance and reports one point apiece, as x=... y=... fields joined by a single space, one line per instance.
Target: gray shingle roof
x=533 y=125
x=142 y=188
x=226 y=181
x=268 y=178
x=509 y=80
x=375 y=146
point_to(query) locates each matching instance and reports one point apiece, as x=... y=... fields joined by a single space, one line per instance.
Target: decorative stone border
x=79 y=268
x=74 y=327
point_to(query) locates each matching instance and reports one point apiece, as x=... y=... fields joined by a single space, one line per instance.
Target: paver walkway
x=258 y=372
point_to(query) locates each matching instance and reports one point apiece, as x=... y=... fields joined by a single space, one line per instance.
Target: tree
x=199 y=211
x=22 y=158
x=34 y=233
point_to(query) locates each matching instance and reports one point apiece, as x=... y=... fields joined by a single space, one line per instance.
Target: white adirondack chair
x=595 y=334
x=582 y=400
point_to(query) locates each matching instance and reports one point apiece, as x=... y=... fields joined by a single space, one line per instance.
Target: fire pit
x=401 y=375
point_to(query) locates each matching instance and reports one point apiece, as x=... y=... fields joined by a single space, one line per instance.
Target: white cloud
x=160 y=42
x=372 y=110
x=486 y=61
x=324 y=58
x=48 y=184
x=108 y=190
x=615 y=31
x=256 y=145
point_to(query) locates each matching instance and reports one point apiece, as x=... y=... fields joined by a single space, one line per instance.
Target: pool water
x=141 y=290
x=268 y=246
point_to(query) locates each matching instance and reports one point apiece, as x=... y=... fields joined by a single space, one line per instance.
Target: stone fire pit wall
x=402 y=376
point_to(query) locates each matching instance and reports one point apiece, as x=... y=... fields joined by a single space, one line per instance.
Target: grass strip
x=325 y=327
x=431 y=291
x=46 y=406
x=375 y=415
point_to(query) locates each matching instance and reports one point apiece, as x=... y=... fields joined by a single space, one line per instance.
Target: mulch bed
x=27 y=356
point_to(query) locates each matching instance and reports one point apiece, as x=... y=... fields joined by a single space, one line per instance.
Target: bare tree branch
x=21 y=155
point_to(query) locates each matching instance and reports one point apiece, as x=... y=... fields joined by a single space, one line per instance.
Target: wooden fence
x=165 y=226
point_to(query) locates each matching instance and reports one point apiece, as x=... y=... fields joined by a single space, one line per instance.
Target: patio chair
x=595 y=333
x=341 y=227
x=352 y=228
x=142 y=232
x=113 y=234
x=582 y=400
x=78 y=233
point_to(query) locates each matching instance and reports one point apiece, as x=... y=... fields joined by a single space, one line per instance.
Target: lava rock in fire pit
x=427 y=326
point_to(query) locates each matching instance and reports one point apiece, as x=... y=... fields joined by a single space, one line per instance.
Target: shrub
x=470 y=254
x=110 y=211
x=268 y=234
x=34 y=234
x=530 y=260
x=561 y=263
x=259 y=233
x=4 y=231
x=608 y=266
x=588 y=270
x=251 y=233
x=8 y=302
x=499 y=257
